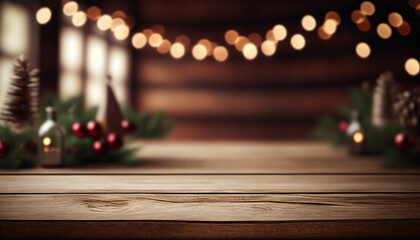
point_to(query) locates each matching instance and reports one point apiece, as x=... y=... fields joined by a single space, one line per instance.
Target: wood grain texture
x=209 y=184
x=209 y=207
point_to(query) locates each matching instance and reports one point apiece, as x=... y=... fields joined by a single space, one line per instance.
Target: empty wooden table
x=215 y=190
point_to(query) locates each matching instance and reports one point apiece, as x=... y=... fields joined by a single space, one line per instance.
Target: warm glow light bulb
x=46 y=141
x=298 y=41
x=199 y=52
x=79 y=19
x=104 y=22
x=358 y=137
x=117 y=22
x=250 y=51
x=231 y=36
x=367 y=8
x=240 y=43
x=164 y=47
x=404 y=29
x=333 y=16
x=330 y=26
x=412 y=66
x=70 y=8
x=268 y=48
x=279 y=32
x=395 y=19
x=220 y=53
x=139 y=40
x=93 y=13
x=177 y=50
x=384 y=31
x=363 y=50
x=43 y=15
x=308 y=23
x=155 y=40
x=121 y=32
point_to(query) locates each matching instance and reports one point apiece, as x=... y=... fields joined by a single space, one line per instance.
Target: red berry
x=94 y=129
x=79 y=130
x=342 y=126
x=128 y=127
x=4 y=151
x=114 y=142
x=99 y=147
x=403 y=142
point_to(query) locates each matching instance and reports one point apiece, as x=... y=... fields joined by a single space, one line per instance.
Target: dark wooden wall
x=275 y=97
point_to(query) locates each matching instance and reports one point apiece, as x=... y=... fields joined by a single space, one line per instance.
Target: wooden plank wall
x=271 y=97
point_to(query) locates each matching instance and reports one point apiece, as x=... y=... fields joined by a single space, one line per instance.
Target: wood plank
x=208 y=207
x=246 y=157
x=297 y=103
x=209 y=184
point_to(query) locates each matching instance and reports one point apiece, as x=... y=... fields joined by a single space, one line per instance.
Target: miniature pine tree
x=383 y=98
x=21 y=105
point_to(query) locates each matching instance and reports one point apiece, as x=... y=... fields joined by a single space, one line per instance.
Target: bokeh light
x=139 y=40
x=117 y=22
x=333 y=16
x=297 y=41
x=177 y=50
x=184 y=40
x=147 y=32
x=255 y=38
x=322 y=34
x=384 y=31
x=404 y=29
x=395 y=19
x=231 y=36
x=330 y=26
x=104 y=22
x=43 y=15
x=308 y=23
x=364 y=26
x=279 y=32
x=268 y=48
x=79 y=19
x=121 y=32
x=93 y=13
x=412 y=66
x=157 y=28
x=358 y=137
x=250 y=51
x=155 y=40
x=164 y=47
x=240 y=43
x=270 y=35
x=70 y=8
x=367 y=8
x=118 y=14
x=207 y=44
x=363 y=50
x=357 y=16
x=220 y=53
x=199 y=52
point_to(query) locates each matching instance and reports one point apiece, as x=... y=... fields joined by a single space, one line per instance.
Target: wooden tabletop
x=215 y=190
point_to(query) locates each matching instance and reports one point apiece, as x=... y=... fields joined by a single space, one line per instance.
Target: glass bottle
x=51 y=138
x=356 y=134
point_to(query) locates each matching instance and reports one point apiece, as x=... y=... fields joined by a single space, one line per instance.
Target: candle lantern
x=356 y=136
x=51 y=138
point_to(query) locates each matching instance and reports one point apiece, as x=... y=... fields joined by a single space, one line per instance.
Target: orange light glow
x=384 y=31
x=357 y=16
x=231 y=36
x=43 y=15
x=308 y=23
x=270 y=36
x=117 y=22
x=104 y=22
x=268 y=48
x=404 y=29
x=147 y=32
x=333 y=16
x=364 y=26
x=155 y=40
x=395 y=19
x=297 y=41
x=93 y=13
x=139 y=40
x=121 y=32
x=70 y=8
x=220 y=53
x=177 y=50
x=240 y=43
x=164 y=47
x=157 y=28
x=118 y=14
x=279 y=32
x=358 y=137
x=79 y=19
x=250 y=51
x=330 y=26
x=322 y=34
x=207 y=44
x=255 y=38
x=363 y=50
x=367 y=8
x=199 y=52
x=184 y=40
x=412 y=66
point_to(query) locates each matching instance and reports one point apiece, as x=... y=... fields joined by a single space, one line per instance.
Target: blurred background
x=229 y=70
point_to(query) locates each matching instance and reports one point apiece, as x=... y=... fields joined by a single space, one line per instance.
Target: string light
x=384 y=30
x=412 y=66
x=231 y=36
x=250 y=51
x=139 y=40
x=117 y=22
x=297 y=41
x=404 y=29
x=121 y=32
x=220 y=53
x=164 y=47
x=147 y=32
x=367 y=8
x=184 y=40
x=364 y=26
x=333 y=16
x=43 y=15
x=207 y=44
x=46 y=141
x=363 y=50
x=240 y=43
x=308 y=23
x=79 y=19
x=70 y=8
x=358 y=137
x=268 y=48
x=104 y=22
x=155 y=40
x=157 y=28
x=322 y=34
x=118 y=14
x=177 y=50
x=395 y=19
x=270 y=36
x=357 y=16
x=279 y=32
x=255 y=38
x=330 y=26
x=93 y=13
x=199 y=52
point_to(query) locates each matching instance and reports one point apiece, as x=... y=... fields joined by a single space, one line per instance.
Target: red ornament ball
x=4 y=151
x=342 y=126
x=403 y=142
x=79 y=130
x=114 y=141
x=100 y=147
x=128 y=127
x=94 y=129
